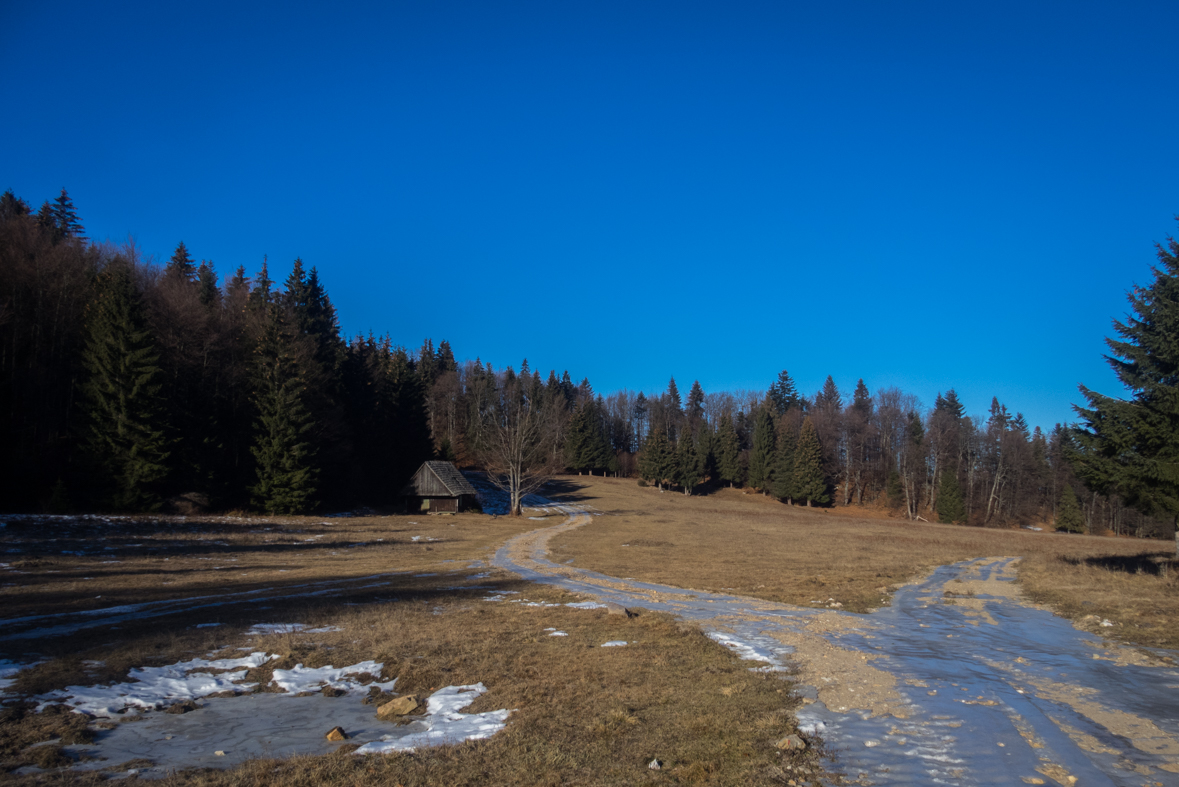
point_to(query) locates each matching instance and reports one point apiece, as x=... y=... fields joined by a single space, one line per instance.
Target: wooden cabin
x=439 y=488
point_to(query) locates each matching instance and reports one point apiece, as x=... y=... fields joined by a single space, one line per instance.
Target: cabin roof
x=442 y=473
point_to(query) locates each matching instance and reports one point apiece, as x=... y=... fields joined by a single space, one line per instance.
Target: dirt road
x=957 y=682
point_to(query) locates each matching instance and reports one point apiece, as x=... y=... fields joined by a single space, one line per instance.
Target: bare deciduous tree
x=516 y=439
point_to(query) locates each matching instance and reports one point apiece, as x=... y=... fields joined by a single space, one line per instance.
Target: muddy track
x=959 y=681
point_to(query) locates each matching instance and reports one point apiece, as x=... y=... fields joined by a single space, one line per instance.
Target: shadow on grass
x=1156 y=564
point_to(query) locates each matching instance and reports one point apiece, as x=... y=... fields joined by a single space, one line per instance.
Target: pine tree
x=286 y=477
x=761 y=457
x=783 y=393
x=784 y=466
x=728 y=451
x=809 y=483
x=950 y=508
x=1068 y=516
x=1131 y=447
x=127 y=437
x=687 y=464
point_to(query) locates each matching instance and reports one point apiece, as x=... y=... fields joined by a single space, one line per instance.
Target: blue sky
x=926 y=195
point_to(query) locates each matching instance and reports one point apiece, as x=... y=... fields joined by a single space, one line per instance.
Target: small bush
x=642 y=482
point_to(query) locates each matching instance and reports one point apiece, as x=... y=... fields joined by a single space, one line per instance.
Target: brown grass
x=583 y=714
x=753 y=545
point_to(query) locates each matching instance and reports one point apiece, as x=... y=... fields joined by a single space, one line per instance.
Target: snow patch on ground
x=445 y=724
x=744 y=649
x=614 y=643
x=300 y=678
x=155 y=687
x=258 y=629
x=586 y=605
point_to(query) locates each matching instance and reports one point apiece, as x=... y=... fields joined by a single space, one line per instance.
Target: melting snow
x=614 y=643
x=444 y=723
x=300 y=678
x=158 y=686
x=259 y=629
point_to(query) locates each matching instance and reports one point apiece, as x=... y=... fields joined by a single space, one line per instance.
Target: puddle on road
x=956 y=682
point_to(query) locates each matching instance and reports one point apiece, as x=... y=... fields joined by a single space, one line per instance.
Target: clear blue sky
x=927 y=195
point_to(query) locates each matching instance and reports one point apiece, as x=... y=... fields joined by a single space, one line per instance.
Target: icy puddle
x=956 y=683
x=223 y=731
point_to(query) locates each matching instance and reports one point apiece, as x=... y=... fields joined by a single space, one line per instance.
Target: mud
x=959 y=681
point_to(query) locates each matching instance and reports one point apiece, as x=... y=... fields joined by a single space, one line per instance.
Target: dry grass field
x=730 y=541
x=582 y=714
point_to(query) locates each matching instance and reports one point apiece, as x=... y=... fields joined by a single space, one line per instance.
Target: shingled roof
x=454 y=482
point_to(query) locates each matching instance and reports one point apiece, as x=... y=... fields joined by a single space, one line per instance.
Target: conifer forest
x=130 y=386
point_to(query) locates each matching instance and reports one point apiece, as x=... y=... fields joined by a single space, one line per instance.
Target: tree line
x=125 y=384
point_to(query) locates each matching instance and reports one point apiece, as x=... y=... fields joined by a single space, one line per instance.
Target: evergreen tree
x=783 y=394
x=126 y=436
x=784 y=466
x=687 y=464
x=209 y=293
x=809 y=483
x=728 y=451
x=950 y=507
x=181 y=267
x=657 y=462
x=12 y=206
x=761 y=458
x=66 y=217
x=1131 y=447
x=286 y=478
x=445 y=358
x=1068 y=516
x=694 y=412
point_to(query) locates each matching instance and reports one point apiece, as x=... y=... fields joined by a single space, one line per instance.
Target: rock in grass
x=337 y=734
x=791 y=743
x=655 y=765
x=618 y=609
x=398 y=707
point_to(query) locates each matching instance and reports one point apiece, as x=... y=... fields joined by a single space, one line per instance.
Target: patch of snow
x=558 y=634
x=614 y=643
x=258 y=629
x=300 y=678
x=415 y=538
x=8 y=670
x=541 y=518
x=501 y=595
x=444 y=723
x=586 y=605
x=154 y=687
x=207 y=625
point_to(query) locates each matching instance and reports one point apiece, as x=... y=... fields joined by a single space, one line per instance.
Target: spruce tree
x=687 y=464
x=126 y=438
x=657 y=460
x=1068 y=516
x=728 y=451
x=761 y=457
x=286 y=478
x=783 y=393
x=1130 y=447
x=209 y=293
x=809 y=483
x=181 y=267
x=784 y=466
x=66 y=217
x=950 y=507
